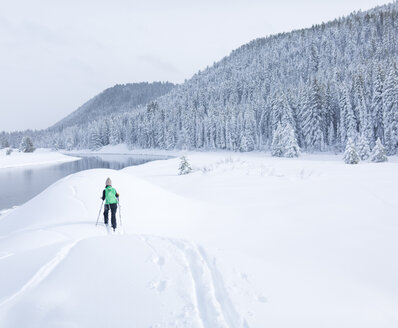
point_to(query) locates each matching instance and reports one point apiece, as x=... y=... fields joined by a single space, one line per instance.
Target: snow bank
x=244 y=241
x=40 y=156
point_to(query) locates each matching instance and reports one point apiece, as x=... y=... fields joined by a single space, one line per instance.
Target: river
x=23 y=183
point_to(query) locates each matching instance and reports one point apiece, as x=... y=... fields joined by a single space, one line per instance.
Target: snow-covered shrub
x=9 y=151
x=26 y=145
x=184 y=167
x=350 y=155
x=363 y=148
x=379 y=154
x=226 y=164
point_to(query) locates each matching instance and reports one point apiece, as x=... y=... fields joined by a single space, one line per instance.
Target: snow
x=40 y=156
x=246 y=240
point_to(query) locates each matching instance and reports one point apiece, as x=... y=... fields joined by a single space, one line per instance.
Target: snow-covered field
x=39 y=156
x=245 y=240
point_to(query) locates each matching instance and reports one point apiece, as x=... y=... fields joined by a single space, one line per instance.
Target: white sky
x=57 y=54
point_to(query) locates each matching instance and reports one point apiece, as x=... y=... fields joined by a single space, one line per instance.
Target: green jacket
x=110 y=195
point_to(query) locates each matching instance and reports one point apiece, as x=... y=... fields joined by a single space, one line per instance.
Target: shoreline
x=42 y=156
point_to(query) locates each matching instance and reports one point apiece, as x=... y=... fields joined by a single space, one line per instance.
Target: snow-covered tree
x=277 y=148
x=185 y=167
x=363 y=148
x=284 y=142
x=246 y=141
x=378 y=153
x=95 y=141
x=390 y=107
x=314 y=119
x=291 y=147
x=69 y=143
x=26 y=145
x=350 y=155
x=4 y=143
x=377 y=103
x=347 y=117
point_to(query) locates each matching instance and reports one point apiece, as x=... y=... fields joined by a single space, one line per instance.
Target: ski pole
x=99 y=213
x=120 y=212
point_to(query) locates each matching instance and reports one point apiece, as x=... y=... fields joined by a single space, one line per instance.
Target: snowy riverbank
x=40 y=156
x=245 y=240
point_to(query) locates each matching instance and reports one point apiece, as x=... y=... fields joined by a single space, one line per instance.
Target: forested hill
x=321 y=85
x=118 y=99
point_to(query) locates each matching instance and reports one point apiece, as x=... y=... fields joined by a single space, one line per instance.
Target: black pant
x=113 y=214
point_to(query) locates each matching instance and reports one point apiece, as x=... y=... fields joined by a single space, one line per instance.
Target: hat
x=108 y=182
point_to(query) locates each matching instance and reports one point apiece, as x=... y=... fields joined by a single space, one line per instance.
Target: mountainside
x=118 y=99
x=321 y=86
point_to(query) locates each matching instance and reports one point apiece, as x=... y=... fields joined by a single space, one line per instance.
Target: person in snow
x=111 y=198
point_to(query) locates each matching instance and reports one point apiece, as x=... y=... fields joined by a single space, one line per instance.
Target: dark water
x=21 y=184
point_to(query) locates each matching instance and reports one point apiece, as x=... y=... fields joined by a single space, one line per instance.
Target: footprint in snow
x=159 y=260
x=159 y=286
x=261 y=299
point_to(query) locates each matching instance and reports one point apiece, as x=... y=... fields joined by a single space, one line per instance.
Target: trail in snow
x=41 y=274
x=4 y=256
x=211 y=302
x=227 y=307
x=214 y=306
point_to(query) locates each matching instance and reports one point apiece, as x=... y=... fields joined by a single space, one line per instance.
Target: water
x=21 y=184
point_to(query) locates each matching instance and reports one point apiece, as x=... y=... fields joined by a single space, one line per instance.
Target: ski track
x=228 y=309
x=41 y=274
x=214 y=307
x=4 y=256
x=50 y=226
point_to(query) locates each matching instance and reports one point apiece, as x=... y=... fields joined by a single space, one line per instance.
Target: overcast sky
x=55 y=55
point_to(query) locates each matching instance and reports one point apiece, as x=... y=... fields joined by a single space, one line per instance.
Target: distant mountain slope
x=320 y=86
x=118 y=99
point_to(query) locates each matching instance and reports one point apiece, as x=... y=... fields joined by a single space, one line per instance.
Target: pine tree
x=95 y=141
x=379 y=154
x=69 y=143
x=4 y=143
x=277 y=147
x=377 y=104
x=363 y=148
x=347 y=117
x=185 y=167
x=290 y=145
x=313 y=121
x=26 y=145
x=350 y=155
x=331 y=135
x=114 y=131
x=55 y=144
x=246 y=141
x=390 y=107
